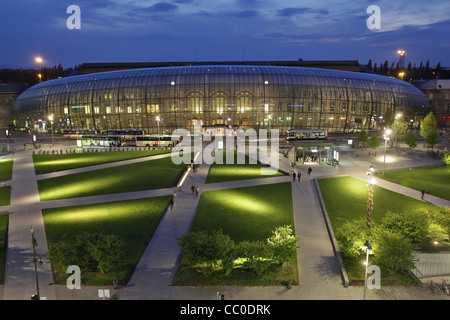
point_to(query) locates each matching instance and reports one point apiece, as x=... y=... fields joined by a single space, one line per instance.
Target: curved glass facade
x=219 y=96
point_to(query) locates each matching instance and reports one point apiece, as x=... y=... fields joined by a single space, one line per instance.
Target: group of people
x=195 y=190
x=298 y=175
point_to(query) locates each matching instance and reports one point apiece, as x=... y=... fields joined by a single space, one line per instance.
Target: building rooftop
x=435 y=84
x=13 y=87
x=347 y=65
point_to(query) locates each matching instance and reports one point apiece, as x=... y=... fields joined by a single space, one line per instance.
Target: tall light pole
x=370 y=185
x=39 y=61
x=386 y=138
x=34 y=244
x=401 y=58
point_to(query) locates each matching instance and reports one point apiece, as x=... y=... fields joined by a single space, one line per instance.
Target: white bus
x=157 y=141
x=100 y=141
x=306 y=134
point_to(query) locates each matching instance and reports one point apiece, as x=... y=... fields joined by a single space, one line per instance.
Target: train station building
x=160 y=99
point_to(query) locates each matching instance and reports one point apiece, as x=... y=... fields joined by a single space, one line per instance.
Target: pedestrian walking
x=299 y=175
x=193 y=189
x=293 y=176
x=196 y=190
x=309 y=171
x=423 y=194
x=171 y=203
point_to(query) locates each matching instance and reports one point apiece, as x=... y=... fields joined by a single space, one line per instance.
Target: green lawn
x=59 y=162
x=5 y=195
x=3 y=243
x=231 y=171
x=249 y=213
x=435 y=180
x=147 y=175
x=134 y=221
x=6 y=166
x=346 y=199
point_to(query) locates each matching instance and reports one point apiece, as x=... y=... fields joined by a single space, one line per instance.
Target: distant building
x=438 y=92
x=8 y=94
x=345 y=65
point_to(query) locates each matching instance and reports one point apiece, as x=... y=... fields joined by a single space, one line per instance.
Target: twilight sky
x=221 y=30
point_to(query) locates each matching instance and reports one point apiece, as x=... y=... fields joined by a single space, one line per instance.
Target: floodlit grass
x=59 y=162
x=5 y=195
x=6 y=166
x=3 y=243
x=134 y=221
x=230 y=170
x=249 y=213
x=346 y=199
x=435 y=180
x=147 y=175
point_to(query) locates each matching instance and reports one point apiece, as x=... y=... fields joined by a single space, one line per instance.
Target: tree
x=412 y=225
x=428 y=129
x=363 y=139
x=208 y=250
x=90 y=251
x=399 y=129
x=433 y=138
x=374 y=142
x=283 y=244
x=446 y=158
x=392 y=251
x=351 y=236
x=411 y=141
x=388 y=116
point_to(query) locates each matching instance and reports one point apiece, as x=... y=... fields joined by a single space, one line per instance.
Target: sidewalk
x=318 y=271
x=24 y=212
x=155 y=271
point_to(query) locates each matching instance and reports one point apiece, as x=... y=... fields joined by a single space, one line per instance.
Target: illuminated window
x=195 y=102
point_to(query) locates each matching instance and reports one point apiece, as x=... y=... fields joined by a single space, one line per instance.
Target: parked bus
x=125 y=133
x=73 y=134
x=306 y=134
x=100 y=141
x=157 y=141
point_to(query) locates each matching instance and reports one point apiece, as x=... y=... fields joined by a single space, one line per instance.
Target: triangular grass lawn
x=147 y=175
x=231 y=166
x=134 y=221
x=59 y=162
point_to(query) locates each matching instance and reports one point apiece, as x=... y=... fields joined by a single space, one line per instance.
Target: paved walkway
x=318 y=271
x=24 y=212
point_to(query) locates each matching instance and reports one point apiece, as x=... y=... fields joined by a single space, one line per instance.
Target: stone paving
x=318 y=269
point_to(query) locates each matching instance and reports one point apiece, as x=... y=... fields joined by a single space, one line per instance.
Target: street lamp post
x=386 y=138
x=39 y=61
x=34 y=244
x=369 y=218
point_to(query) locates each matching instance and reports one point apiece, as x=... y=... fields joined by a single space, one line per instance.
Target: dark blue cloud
x=246 y=14
x=161 y=7
x=290 y=12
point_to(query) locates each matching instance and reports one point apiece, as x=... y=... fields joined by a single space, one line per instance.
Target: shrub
x=412 y=225
x=283 y=244
x=90 y=251
x=392 y=251
x=351 y=236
